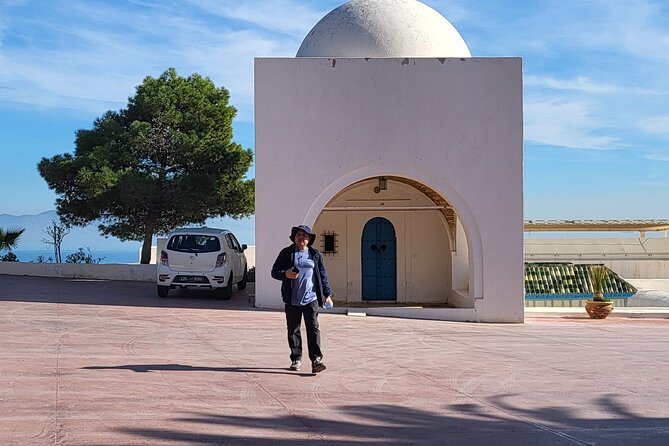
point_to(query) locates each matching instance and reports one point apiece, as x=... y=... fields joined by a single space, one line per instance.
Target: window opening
x=329 y=243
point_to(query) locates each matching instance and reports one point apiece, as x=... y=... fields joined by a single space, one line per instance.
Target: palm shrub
x=10 y=238
x=598 y=275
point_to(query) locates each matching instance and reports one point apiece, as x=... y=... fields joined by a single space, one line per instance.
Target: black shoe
x=317 y=365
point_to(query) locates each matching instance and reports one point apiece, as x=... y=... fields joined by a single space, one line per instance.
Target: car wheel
x=163 y=290
x=241 y=285
x=225 y=293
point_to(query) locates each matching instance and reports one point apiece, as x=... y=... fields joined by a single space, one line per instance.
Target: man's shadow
x=145 y=368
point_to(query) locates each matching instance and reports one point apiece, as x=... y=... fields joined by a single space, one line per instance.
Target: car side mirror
x=244 y=246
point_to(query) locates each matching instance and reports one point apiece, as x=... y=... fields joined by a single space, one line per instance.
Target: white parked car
x=202 y=258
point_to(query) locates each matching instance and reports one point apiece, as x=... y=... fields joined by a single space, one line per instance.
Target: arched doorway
x=379 y=260
x=431 y=263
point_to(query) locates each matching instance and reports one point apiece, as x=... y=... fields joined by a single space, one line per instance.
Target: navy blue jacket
x=286 y=260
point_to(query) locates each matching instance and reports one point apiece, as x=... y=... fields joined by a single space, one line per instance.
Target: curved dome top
x=383 y=28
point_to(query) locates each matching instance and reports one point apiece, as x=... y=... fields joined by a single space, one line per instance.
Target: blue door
x=379 y=260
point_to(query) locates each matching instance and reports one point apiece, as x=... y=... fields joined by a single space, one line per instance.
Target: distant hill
x=79 y=237
x=34 y=226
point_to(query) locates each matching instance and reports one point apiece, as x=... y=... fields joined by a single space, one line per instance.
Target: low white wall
x=439 y=314
x=640 y=269
x=111 y=271
x=250 y=256
x=651 y=284
x=632 y=258
x=133 y=272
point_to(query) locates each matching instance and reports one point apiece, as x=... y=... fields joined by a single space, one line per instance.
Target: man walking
x=304 y=287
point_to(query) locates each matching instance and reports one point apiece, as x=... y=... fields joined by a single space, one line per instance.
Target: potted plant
x=599 y=307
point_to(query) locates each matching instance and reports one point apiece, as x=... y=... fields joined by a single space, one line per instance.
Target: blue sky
x=596 y=76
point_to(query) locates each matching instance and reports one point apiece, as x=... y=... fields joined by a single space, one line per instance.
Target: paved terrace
x=109 y=363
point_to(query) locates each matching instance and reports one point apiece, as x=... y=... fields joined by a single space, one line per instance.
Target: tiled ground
x=110 y=363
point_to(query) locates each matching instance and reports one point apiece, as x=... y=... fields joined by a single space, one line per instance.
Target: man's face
x=301 y=239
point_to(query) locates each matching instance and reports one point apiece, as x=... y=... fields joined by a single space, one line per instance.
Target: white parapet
x=133 y=272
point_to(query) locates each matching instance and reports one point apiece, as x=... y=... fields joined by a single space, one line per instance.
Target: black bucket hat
x=305 y=228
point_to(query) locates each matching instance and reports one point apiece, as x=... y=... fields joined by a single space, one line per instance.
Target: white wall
x=631 y=257
x=639 y=269
x=250 y=254
x=460 y=260
x=454 y=125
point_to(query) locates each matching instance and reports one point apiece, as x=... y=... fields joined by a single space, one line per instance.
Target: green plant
x=598 y=276
x=82 y=256
x=9 y=257
x=42 y=259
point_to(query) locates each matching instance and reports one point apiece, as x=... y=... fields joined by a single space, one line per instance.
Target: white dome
x=383 y=28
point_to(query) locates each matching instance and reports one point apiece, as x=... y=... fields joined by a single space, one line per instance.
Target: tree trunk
x=145 y=258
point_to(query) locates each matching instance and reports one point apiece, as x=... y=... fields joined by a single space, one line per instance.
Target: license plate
x=191 y=279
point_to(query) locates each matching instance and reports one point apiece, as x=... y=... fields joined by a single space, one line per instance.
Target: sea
x=31 y=255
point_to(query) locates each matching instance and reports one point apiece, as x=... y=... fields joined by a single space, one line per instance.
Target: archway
x=431 y=258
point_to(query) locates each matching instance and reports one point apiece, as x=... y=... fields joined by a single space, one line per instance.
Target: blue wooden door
x=379 y=260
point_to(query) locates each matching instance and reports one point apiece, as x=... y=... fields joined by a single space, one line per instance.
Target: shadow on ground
x=145 y=368
x=395 y=424
x=113 y=292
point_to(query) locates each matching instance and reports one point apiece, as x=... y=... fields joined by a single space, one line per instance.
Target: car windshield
x=194 y=243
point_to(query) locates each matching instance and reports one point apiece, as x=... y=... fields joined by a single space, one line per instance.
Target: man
x=304 y=287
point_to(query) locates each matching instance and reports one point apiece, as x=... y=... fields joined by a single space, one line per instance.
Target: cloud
x=658 y=125
x=68 y=60
x=635 y=27
x=77 y=79
x=230 y=62
x=567 y=32
x=583 y=84
x=3 y=21
x=284 y=16
x=564 y=124
x=91 y=57
x=656 y=156
x=454 y=10
x=10 y=3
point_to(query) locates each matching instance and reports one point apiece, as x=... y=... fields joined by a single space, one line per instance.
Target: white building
x=404 y=153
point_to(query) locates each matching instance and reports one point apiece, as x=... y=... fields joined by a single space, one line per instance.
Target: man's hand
x=291 y=274
x=328 y=300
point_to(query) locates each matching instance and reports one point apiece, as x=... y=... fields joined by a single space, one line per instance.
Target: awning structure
x=641 y=226
x=566 y=280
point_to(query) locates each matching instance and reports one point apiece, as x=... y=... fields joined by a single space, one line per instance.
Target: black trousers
x=294 y=314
